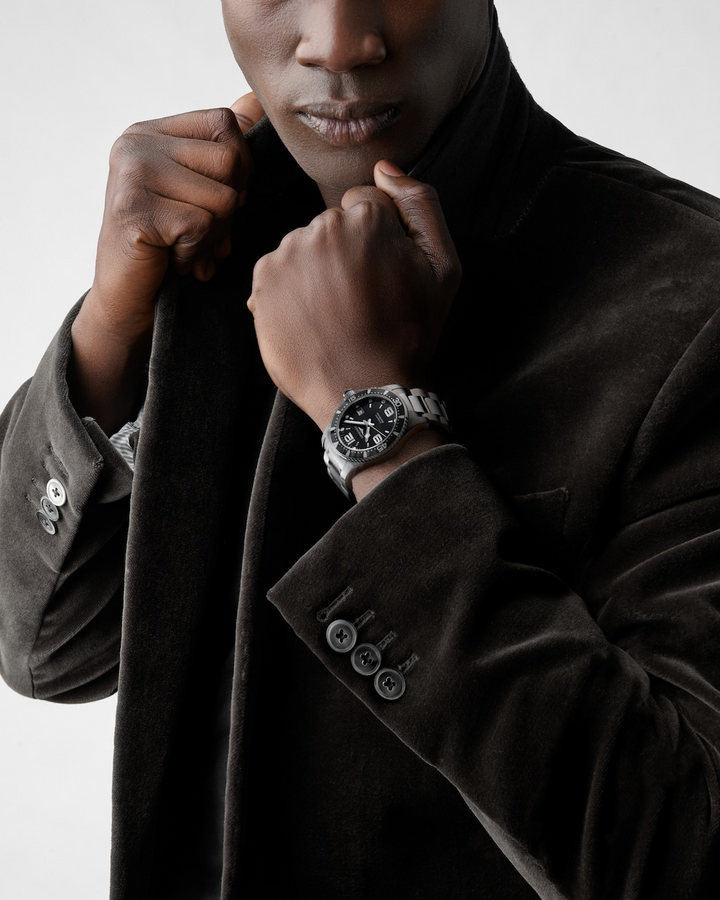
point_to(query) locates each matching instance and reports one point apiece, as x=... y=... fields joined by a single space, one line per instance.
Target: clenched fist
x=359 y=297
x=173 y=187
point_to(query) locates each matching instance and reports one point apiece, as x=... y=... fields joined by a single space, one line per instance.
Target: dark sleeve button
x=390 y=684
x=56 y=492
x=49 y=508
x=341 y=636
x=366 y=659
x=45 y=522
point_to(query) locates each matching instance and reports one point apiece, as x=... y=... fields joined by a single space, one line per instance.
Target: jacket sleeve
x=61 y=592
x=580 y=721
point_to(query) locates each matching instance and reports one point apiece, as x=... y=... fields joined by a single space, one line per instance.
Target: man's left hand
x=359 y=297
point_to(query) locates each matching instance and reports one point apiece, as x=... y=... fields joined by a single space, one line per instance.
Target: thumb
x=248 y=111
x=418 y=206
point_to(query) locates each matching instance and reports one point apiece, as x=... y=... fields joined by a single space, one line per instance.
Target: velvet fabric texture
x=551 y=580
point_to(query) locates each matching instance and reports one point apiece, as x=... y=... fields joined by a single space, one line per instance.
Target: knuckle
x=228 y=159
x=133 y=158
x=195 y=224
x=122 y=204
x=125 y=146
x=329 y=221
x=226 y=202
x=355 y=194
x=367 y=208
x=223 y=201
x=294 y=241
x=138 y=128
x=260 y=270
x=222 y=123
x=132 y=204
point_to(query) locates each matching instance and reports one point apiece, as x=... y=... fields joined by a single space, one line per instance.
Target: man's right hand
x=173 y=187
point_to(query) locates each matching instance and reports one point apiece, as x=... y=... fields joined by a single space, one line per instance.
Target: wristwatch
x=371 y=423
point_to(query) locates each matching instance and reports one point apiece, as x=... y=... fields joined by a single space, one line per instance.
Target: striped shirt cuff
x=123 y=441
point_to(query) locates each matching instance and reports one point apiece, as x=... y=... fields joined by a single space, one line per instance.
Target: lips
x=345 y=124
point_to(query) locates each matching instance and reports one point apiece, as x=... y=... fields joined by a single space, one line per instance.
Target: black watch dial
x=367 y=424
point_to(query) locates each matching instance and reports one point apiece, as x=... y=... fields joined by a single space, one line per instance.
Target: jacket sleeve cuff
x=43 y=440
x=388 y=568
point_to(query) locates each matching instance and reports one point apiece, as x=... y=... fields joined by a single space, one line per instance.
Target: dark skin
x=349 y=85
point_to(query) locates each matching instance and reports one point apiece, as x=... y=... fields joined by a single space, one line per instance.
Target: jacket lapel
x=180 y=522
x=247 y=646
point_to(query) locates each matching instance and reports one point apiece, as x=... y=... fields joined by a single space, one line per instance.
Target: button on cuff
x=366 y=659
x=341 y=636
x=56 y=492
x=49 y=508
x=390 y=684
x=46 y=524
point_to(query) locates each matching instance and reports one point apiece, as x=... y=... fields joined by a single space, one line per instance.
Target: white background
x=641 y=76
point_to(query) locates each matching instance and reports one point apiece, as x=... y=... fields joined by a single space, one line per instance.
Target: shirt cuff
x=125 y=440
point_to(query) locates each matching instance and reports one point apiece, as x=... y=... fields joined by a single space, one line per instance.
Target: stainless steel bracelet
x=425 y=403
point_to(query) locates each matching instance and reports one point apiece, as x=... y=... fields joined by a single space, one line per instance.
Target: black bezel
x=392 y=439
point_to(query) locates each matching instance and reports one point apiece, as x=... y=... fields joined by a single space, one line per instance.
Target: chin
x=334 y=167
x=341 y=170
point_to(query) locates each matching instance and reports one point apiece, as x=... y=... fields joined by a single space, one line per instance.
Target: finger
x=189 y=232
x=420 y=212
x=247 y=110
x=203 y=269
x=193 y=180
x=367 y=194
x=194 y=133
x=219 y=125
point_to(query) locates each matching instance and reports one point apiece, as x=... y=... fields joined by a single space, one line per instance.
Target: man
x=494 y=675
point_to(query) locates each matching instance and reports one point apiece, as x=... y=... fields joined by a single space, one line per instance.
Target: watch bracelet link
x=425 y=403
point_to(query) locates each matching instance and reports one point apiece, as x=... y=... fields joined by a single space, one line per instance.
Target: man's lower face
x=349 y=82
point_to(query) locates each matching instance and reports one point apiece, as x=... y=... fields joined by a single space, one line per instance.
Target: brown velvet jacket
x=554 y=574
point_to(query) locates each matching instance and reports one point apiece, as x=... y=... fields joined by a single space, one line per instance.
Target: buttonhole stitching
x=57 y=459
x=324 y=614
x=362 y=620
x=405 y=667
x=388 y=639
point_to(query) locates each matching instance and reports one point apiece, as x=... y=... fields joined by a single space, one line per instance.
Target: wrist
x=415 y=444
x=123 y=333
x=106 y=371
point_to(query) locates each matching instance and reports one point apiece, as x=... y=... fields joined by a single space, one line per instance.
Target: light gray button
x=390 y=684
x=49 y=508
x=366 y=659
x=45 y=522
x=341 y=635
x=56 y=492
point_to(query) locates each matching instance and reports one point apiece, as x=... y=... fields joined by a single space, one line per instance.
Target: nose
x=341 y=35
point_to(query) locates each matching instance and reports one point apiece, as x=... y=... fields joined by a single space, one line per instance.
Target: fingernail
x=389 y=168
